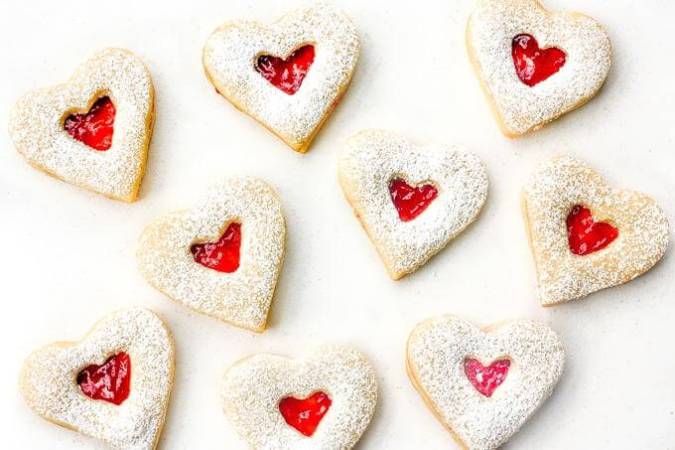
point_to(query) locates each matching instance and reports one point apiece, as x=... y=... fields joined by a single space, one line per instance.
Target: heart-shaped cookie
x=323 y=401
x=94 y=130
x=289 y=75
x=411 y=200
x=483 y=385
x=585 y=235
x=113 y=385
x=222 y=257
x=535 y=65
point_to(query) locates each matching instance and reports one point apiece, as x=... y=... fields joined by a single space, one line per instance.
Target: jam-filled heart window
x=534 y=64
x=486 y=379
x=585 y=235
x=110 y=381
x=305 y=414
x=95 y=127
x=411 y=201
x=222 y=255
x=286 y=74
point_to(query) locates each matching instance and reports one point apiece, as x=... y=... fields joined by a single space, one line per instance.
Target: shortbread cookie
x=411 y=200
x=585 y=235
x=483 y=385
x=289 y=75
x=323 y=401
x=113 y=385
x=223 y=257
x=94 y=130
x=535 y=65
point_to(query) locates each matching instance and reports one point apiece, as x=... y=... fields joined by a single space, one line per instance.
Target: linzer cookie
x=322 y=401
x=222 y=257
x=113 y=385
x=410 y=200
x=289 y=75
x=94 y=130
x=586 y=235
x=535 y=65
x=483 y=385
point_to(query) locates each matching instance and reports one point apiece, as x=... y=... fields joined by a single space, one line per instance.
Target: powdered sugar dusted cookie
x=535 y=65
x=289 y=75
x=411 y=200
x=94 y=130
x=483 y=385
x=113 y=385
x=323 y=401
x=586 y=235
x=222 y=257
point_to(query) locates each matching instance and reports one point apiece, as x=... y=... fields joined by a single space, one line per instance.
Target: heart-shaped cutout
x=411 y=201
x=585 y=235
x=287 y=74
x=222 y=255
x=532 y=81
x=88 y=386
x=302 y=65
x=305 y=414
x=109 y=381
x=407 y=217
x=234 y=277
x=573 y=253
x=486 y=378
x=324 y=400
x=94 y=130
x=534 y=64
x=443 y=361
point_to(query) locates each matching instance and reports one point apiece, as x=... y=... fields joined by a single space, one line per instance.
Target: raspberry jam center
x=411 y=201
x=286 y=74
x=109 y=381
x=305 y=414
x=94 y=128
x=534 y=64
x=585 y=235
x=222 y=255
x=486 y=379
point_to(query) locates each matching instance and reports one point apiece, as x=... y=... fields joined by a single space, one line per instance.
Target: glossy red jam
x=94 y=128
x=585 y=235
x=287 y=74
x=109 y=381
x=411 y=201
x=486 y=379
x=534 y=64
x=304 y=415
x=222 y=255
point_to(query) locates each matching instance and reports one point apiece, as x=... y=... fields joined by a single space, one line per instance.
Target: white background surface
x=69 y=254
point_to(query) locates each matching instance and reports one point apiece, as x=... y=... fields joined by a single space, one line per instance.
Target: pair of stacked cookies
x=223 y=256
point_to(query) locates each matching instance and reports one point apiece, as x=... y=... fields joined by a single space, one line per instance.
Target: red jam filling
x=411 y=201
x=109 y=381
x=286 y=74
x=486 y=379
x=304 y=415
x=585 y=235
x=534 y=64
x=222 y=255
x=94 y=128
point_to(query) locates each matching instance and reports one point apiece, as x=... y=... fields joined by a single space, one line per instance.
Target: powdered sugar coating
x=243 y=297
x=548 y=198
x=373 y=158
x=253 y=388
x=36 y=125
x=437 y=349
x=230 y=56
x=521 y=108
x=48 y=380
